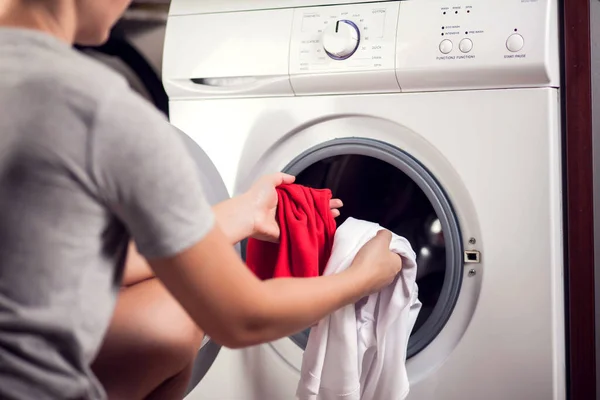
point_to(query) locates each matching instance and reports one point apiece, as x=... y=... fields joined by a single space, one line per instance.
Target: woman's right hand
x=375 y=264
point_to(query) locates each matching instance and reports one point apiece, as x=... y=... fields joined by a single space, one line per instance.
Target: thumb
x=282 y=178
x=384 y=237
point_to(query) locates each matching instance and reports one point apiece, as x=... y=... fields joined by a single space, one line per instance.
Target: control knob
x=341 y=39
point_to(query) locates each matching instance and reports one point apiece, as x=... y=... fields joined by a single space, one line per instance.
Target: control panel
x=353 y=37
x=431 y=45
x=477 y=44
x=349 y=39
x=362 y=47
x=477 y=25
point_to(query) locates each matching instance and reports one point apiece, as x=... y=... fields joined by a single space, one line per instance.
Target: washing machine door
x=215 y=191
x=383 y=183
x=387 y=173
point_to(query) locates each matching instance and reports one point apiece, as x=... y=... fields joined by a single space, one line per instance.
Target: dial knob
x=340 y=40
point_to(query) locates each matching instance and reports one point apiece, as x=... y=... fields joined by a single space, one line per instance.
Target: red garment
x=307 y=230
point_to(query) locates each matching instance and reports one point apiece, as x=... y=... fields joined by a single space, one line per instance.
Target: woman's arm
x=235 y=218
x=237 y=310
x=233 y=306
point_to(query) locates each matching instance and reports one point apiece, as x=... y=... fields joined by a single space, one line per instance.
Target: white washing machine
x=437 y=119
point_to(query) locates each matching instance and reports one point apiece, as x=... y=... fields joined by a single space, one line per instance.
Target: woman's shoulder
x=83 y=77
x=41 y=61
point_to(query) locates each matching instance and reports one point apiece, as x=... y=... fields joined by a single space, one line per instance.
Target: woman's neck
x=58 y=20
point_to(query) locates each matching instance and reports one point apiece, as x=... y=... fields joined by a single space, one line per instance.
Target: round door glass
x=380 y=183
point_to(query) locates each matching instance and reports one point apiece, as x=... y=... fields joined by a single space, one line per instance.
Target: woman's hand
x=263 y=199
x=375 y=264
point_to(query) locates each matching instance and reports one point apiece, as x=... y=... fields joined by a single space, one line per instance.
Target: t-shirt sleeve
x=147 y=177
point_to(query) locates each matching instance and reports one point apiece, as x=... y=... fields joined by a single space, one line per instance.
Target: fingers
x=281 y=179
x=335 y=203
x=287 y=179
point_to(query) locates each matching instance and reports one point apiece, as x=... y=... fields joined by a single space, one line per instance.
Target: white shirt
x=359 y=351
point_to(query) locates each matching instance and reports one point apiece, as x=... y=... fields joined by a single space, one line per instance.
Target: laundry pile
x=359 y=351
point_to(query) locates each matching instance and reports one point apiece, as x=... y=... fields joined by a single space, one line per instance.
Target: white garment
x=359 y=352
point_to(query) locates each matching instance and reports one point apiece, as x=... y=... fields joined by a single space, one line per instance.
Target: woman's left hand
x=263 y=198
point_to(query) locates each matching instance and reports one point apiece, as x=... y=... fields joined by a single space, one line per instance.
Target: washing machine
x=439 y=120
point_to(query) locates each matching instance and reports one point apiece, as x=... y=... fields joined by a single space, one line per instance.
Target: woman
x=86 y=166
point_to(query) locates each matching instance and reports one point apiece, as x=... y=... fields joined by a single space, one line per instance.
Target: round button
x=446 y=46
x=340 y=40
x=514 y=42
x=465 y=45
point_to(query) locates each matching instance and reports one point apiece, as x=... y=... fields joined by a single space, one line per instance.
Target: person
x=86 y=166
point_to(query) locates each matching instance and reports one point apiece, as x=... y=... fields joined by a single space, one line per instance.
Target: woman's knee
x=175 y=336
x=151 y=339
x=150 y=328
x=179 y=343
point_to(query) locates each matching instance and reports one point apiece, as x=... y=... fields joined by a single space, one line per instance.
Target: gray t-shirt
x=84 y=164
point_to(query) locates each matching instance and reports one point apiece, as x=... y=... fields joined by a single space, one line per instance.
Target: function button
x=446 y=46
x=465 y=45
